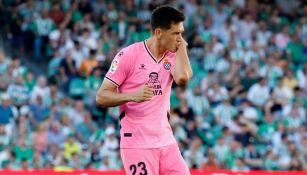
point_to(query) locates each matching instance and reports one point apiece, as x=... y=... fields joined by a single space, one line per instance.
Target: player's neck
x=155 y=48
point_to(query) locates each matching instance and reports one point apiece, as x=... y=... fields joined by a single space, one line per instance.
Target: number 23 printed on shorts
x=140 y=167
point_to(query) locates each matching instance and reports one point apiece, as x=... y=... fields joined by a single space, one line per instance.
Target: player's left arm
x=182 y=71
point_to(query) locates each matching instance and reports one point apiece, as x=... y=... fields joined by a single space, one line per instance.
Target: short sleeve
x=119 y=68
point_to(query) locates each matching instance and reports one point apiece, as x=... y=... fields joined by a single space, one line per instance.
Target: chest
x=147 y=70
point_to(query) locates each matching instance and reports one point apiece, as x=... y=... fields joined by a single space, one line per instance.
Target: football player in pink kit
x=140 y=80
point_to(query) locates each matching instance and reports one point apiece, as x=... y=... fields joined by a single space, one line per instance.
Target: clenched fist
x=144 y=93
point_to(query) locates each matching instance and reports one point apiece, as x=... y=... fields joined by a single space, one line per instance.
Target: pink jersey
x=144 y=125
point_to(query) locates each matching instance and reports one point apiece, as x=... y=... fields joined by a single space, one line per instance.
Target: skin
x=162 y=40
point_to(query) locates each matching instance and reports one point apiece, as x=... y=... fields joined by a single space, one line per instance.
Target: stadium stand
x=244 y=109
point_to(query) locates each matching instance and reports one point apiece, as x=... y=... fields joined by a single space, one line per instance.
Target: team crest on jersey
x=167 y=65
x=155 y=83
x=114 y=66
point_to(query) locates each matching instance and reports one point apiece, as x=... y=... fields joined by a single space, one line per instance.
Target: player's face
x=170 y=39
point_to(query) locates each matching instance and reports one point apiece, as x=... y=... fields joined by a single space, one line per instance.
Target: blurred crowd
x=244 y=109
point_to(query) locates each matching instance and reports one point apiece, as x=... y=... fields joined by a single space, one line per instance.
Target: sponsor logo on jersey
x=142 y=66
x=155 y=83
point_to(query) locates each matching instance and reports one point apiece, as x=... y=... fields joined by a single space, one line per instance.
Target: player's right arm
x=108 y=96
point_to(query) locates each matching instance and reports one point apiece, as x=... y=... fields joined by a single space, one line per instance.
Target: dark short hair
x=15 y=57
x=164 y=16
x=93 y=52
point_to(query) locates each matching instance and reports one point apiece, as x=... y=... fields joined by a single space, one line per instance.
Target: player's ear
x=158 y=33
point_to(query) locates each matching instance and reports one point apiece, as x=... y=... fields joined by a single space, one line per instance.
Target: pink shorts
x=165 y=160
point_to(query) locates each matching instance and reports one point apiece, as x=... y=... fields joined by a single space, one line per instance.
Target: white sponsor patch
x=114 y=66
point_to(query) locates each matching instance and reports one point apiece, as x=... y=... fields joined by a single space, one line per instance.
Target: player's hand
x=182 y=46
x=144 y=93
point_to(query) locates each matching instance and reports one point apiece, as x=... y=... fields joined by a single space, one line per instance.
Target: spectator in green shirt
x=295 y=51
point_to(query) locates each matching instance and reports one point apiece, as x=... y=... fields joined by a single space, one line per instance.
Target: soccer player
x=139 y=80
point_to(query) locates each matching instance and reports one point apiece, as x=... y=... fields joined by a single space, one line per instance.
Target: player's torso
x=147 y=122
x=156 y=73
